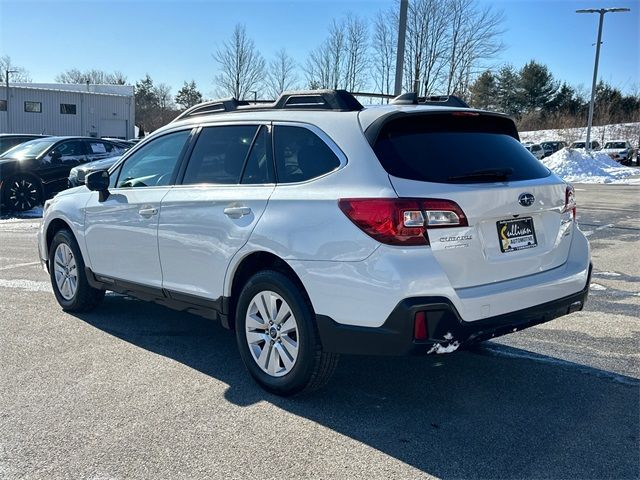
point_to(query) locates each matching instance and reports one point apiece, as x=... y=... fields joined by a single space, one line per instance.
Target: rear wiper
x=498 y=174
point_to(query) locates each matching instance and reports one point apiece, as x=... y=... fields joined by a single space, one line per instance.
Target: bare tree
x=93 y=76
x=475 y=38
x=18 y=74
x=281 y=75
x=384 y=43
x=341 y=60
x=241 y=65
x=356 y=61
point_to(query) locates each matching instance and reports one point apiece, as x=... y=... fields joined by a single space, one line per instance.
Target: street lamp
x=601 y=11
x=6 y=77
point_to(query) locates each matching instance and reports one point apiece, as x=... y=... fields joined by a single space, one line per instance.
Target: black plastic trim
x=217 y=309
x=445 y=326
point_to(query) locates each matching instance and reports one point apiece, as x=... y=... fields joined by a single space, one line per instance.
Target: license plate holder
x=516 y=234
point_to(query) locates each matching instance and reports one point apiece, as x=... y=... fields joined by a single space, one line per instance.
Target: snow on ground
x=578 y=166
x=11 y=217
x=603 y=133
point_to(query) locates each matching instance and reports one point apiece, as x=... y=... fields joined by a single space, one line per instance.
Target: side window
x=113 y=177
x=219 y=155
x=259 y=167
x=153 y=164
x=67 y=151
x=301 y=155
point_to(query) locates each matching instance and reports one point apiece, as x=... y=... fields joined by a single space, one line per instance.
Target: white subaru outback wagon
x=314 y=226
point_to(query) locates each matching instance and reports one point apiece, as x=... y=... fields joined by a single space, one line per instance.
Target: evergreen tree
x=188 y=95
x=537 y=88
x=484 y=91
x=508 y=90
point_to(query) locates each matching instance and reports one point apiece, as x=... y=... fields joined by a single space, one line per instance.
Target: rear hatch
x=518 y=222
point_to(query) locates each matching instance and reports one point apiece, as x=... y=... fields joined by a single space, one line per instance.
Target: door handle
x=236 y=212
x=148 y=211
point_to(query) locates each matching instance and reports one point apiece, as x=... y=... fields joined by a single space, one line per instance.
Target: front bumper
x=446 y=330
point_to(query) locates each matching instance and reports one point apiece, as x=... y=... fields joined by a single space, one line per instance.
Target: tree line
x=538 y=101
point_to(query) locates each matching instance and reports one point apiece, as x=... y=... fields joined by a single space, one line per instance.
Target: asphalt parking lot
x=134 y=390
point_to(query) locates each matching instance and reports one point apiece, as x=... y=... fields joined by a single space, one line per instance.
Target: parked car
x=536 y=150
x=36 y=170
x=619 y=150
x=552 y=147
x=595 y=145
x=314 y=226
x=10 y=140
x=79 y=173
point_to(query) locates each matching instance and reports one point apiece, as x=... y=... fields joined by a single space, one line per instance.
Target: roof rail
x=440 y=100
x=335 y=100
x=214 y=106
x=338 y=100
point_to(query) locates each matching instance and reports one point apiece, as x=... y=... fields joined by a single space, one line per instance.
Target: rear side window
x=446 y=148
x=219 y=155
x=301 y=155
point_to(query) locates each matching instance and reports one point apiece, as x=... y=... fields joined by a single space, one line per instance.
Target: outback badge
x=526 y=199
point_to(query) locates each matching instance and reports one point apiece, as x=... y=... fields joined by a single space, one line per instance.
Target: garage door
x=113 y=128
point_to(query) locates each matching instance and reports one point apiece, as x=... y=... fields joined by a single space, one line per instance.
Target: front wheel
x=68 y=277
x=277 y=336
x=21 y=193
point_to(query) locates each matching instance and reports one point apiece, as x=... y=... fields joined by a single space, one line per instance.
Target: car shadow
x=474 y=414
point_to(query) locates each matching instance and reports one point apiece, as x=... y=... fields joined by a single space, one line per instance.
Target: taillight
x=402 y=221
x=570 y=201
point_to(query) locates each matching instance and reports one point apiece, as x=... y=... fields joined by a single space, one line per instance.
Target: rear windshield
x=615 y=145
x=450 y=148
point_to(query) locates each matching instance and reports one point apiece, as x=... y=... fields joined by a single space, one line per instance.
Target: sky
x=173 y=40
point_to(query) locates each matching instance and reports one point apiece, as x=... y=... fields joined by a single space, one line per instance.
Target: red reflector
x=420 y=326
x=465 y=114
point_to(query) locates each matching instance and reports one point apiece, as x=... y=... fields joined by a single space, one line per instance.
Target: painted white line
x=597 y=229
x=28 y=285
x=608 y=274
x=597 y=286
x=18 y=265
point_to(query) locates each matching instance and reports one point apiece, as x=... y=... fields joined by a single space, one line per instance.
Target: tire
x=21 y=192
x=282 y=362
x=68 y=277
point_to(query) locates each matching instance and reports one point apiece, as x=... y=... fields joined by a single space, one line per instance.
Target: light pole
x=402 y=32
x=601 y=11
x=6 y=77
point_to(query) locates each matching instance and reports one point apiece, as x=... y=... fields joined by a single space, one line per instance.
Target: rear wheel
x=21 y=193
x=277 y=336
x=68 y=277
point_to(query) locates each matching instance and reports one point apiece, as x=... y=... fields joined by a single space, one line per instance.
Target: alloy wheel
x=271 y=331
x=66 y=271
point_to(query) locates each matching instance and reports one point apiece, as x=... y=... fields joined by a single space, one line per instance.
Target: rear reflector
x=420 y=326
x=402 y=221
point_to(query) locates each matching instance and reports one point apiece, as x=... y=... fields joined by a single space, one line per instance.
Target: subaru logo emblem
x=526 y=199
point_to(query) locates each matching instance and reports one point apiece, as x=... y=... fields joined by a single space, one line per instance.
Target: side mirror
x=98 y=181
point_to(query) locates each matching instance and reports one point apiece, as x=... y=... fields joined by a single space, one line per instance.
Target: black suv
x=36 y=170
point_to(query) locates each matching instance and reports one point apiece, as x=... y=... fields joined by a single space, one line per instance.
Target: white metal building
x=67 y=109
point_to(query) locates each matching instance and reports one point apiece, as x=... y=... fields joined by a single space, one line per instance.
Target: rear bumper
x=447 y=331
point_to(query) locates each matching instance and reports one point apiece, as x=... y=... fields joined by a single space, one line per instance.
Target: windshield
x=28 y=149
x=456 y=149
x=615 y=145
x=578 y=145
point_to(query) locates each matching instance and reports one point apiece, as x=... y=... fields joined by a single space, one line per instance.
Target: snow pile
x=581 y=167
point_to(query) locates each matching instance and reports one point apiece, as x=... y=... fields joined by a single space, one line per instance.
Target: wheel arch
x=246 y=268
x=54 y=227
